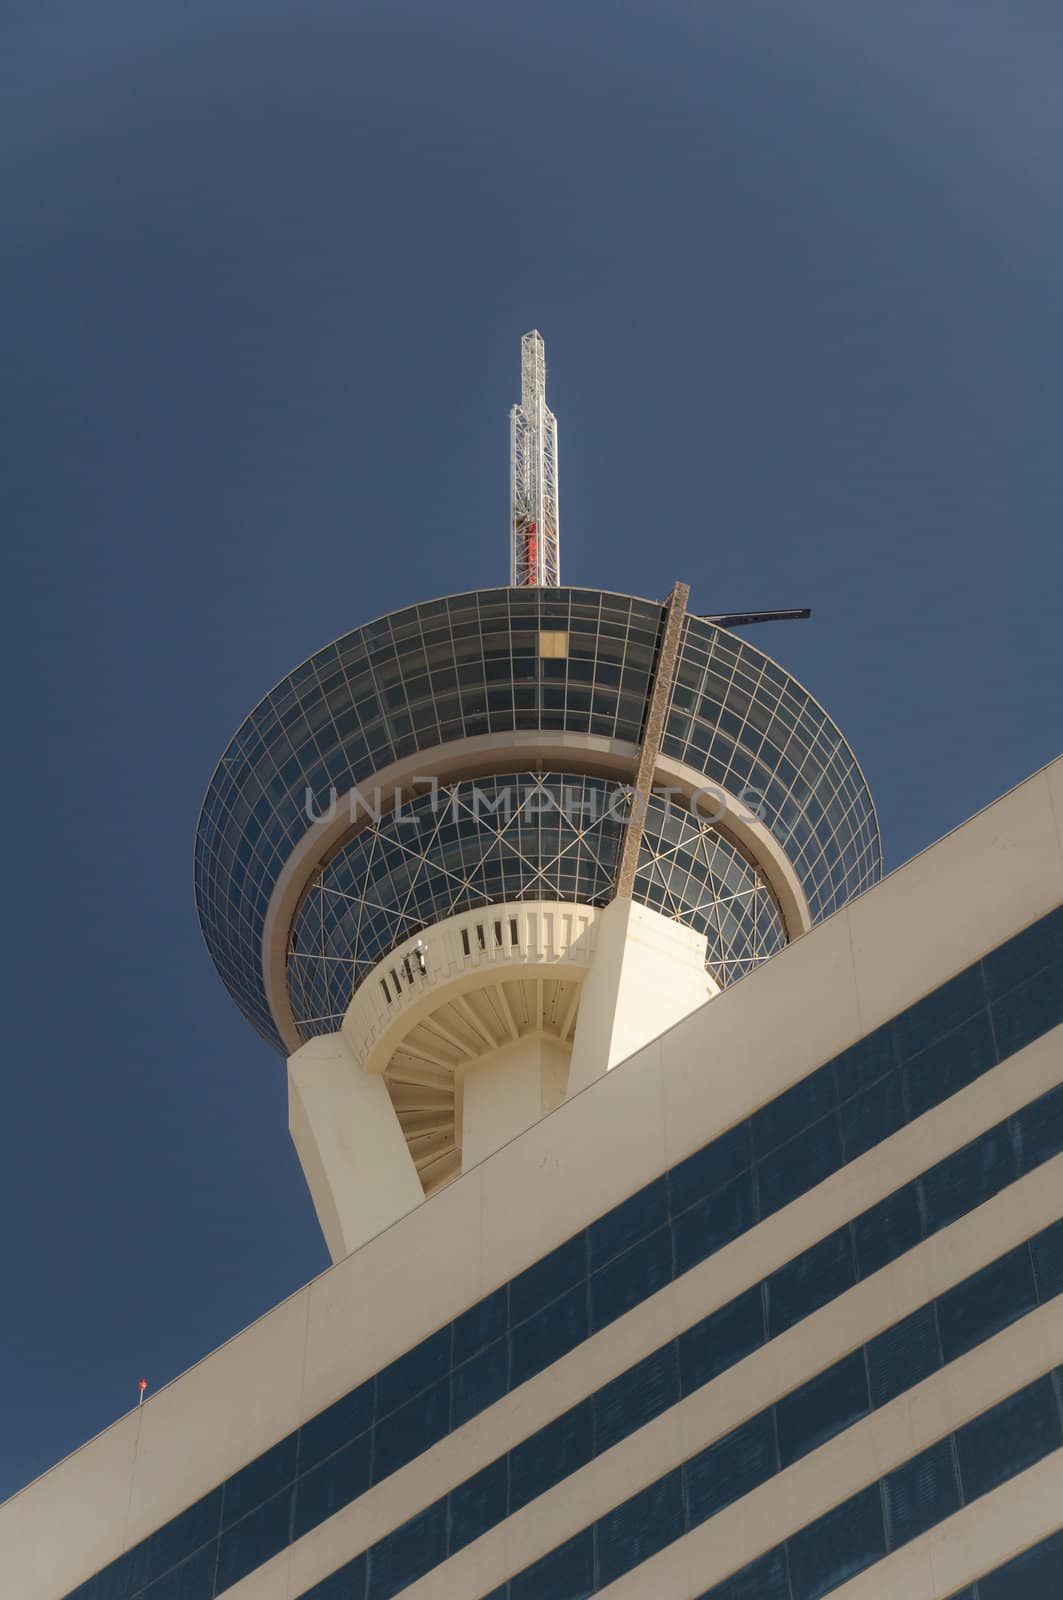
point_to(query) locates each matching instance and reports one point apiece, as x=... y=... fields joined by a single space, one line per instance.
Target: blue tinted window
x=408 y=1553
x=346 y=1584
x=627 y=1223
x=334 y=1426
x=710 y=1168
x=872 y=1116
x=730 y=1468
x=640 y=1527
x=903 y=1355
x=543 y=1459
x=822 y=1407
x=763 y=1579
x=1024 y=954
x=413 y=1372
x=802 y=1286
x=790 y=1113
x=478 y=1504
x=1039 y=1129
x=1048 y=1261
x=549 y=1278
x=962 y=1182
x=887 y=1230
x=1030 y=1010
x=710 y=1223
x=479 y=1383
x=549 y=1335
x=192 y=1580
x=113 y=1582
x=247 y=1544
x=636 y=1397
x=837 y=1546
x=940 y=1012
x=1010 y=1437
x=180 y=1537
x=921 y=1493
x=865 y=1062
x=260 y=1479
x=720 y=1339
x=333 y=1484
x=799 y=1165
x=567 y=1573
x=1034 y=1575
x=410 y=1431
x=950 y=1064
x=983 y=1304
x=480 y=1326
x=631 y=1278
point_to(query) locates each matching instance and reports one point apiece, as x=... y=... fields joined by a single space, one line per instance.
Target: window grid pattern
x=746 y=723
x=956 y=1471
x=516 y=837
x=834 y=1399
x=915 y=1061
x=1033 y=1575
x=442 y=1383
x=470 y=665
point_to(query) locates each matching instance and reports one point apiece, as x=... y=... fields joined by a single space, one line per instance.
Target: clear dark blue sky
x=266 y=269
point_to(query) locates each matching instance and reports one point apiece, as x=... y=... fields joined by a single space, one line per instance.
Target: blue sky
x=266 y=270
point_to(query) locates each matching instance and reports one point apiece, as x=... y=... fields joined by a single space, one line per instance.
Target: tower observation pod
x=534 y=552
x=469 y=857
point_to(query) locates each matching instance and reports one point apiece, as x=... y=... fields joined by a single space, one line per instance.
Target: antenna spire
x=534 y=554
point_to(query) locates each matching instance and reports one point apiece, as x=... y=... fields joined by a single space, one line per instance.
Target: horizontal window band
x=1035 y=1572
x=710 y=1405
x=864 y=1380
x=1006 y=1545
x=922 y=1492
x=961 y=1317
x=843 y=1109
x=915 y=1497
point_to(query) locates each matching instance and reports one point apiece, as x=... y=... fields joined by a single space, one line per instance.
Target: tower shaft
x=534 y=551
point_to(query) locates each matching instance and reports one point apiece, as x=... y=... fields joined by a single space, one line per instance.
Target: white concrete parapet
x=474 y=950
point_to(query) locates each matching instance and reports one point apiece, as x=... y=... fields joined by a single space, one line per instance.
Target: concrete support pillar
x=505 y=1092
x=625 y=973
x=359 y=1170
x=648 y=973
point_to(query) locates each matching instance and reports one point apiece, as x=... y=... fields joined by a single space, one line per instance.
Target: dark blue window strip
x=846 y=1540
x=915 y=1497
x=891 y=1363
x=1036 y=1574
x=887 y=1079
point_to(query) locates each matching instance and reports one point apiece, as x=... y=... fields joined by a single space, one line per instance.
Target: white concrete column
x=356 y=1161
x=647 y=974
x=505 y=1092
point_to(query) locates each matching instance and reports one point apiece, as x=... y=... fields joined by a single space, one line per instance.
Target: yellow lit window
x=553 y=645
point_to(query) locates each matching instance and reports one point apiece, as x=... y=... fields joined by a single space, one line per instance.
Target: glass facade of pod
x=520 y=836
x=747 y=724
x=502 y=660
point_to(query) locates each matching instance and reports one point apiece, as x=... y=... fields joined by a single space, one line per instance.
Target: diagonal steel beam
x=660 y=696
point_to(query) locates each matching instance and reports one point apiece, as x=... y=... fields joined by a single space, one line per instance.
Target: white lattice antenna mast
x=534 y=556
